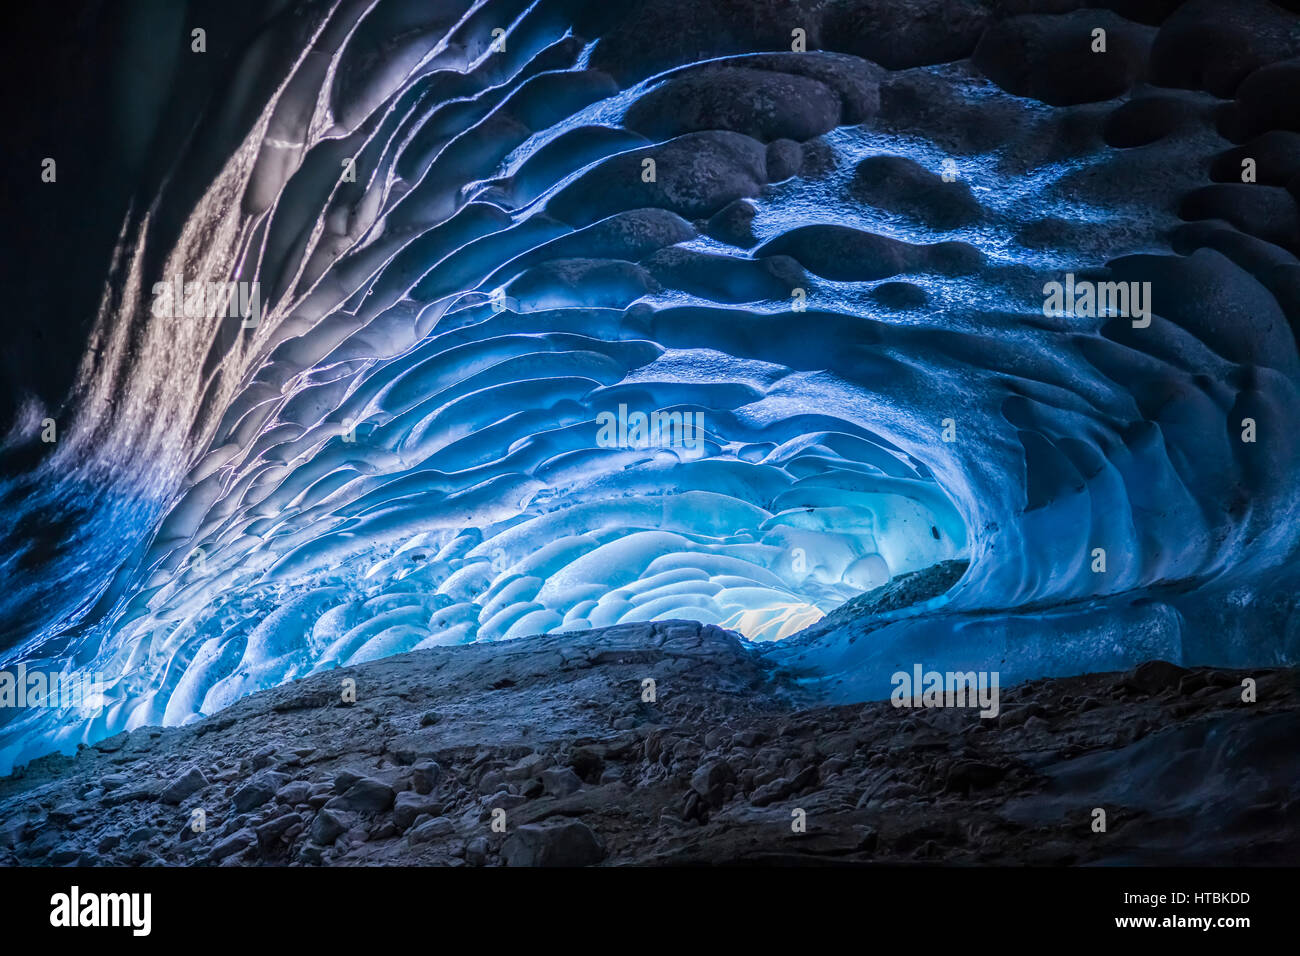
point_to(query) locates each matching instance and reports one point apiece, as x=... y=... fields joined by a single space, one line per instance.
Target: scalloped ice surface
x=405 y=452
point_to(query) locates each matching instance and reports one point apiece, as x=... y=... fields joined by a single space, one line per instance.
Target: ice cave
x=820 y=243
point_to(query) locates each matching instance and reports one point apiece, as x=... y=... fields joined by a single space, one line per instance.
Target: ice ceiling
x=464 y=259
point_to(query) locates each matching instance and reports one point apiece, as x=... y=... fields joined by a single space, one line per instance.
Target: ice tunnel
x=438 y=323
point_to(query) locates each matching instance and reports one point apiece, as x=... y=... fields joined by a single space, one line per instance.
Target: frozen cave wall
x=481 y=232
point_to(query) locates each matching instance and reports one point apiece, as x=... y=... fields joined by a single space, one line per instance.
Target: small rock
x=430 y=830
x=528 y=766
x=111 y=744
x=187 y=784
x=561 y=781
x=271 y=830
x=425 y=775
x=1036 y=724
x=409 y=806
x=367 y=795
x=344 y=779
x=144 y=791
x=1153 y=677
x=588 y=761
x=328 y=826
x=63 y=814
x=710 y=779
x=294 y=793
x=967 y=775
x=557 y=842
x=718 y=736
x=140 y=835
x=309 y=854
x=831 y=766
x=505 y=800
x=491 y=781
x=476 y=851
x=237 y=842
x=783 y=787
x=261 y=788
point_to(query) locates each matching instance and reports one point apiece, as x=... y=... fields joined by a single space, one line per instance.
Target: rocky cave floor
x=553 y=732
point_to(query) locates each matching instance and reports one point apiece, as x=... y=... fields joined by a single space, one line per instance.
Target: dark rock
x=329 y=825
x=966 y=775
x=293 y=793
x=491 y=781
x=273 y=829
x=710 y=779
x=146 y=791
x=186 y=785
x=344 y=779
x=524 y=768
x=310 y=854
x=562 y=842
x=587 y=761
x=140 y=835
x=425 y=776
x=367 y=795
x=114 y=781
x=783 y=787
x=237 y=842
x=476 y=851
x=261 y=788
x=410 y=806
x=111 y=744
x=1154 y=677
x=430 y=830
x=63 y=814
